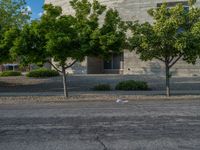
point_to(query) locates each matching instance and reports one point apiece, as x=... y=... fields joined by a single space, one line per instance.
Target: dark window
x=108 y=64
x=10 y=67
x=114 y=62
x=186 y=8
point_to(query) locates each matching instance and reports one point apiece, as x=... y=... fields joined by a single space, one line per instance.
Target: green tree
x=13 y=15
x=7 y=43
x=65 y=38
x=171 y=37
x=111 y=37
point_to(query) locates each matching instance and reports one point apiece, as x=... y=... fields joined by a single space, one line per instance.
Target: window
x=114 y=62
x=11 y=66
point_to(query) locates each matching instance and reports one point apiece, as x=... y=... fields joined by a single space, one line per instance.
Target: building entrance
x=99 y=66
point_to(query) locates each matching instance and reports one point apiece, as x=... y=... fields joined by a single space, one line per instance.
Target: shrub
x=42 y=72
x=102 y=87
x=131 y=85
x=10 y=73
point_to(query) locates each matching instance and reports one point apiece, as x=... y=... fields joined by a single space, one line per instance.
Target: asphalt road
x=138 y=125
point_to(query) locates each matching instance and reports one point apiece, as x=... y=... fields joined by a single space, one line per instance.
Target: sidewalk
x=113 y=93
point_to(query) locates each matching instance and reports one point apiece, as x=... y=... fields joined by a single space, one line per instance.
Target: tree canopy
x=13 y=16
x=172 y=36
x=65 y=37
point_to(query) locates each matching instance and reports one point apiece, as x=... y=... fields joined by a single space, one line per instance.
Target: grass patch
x=42 y=73
x=132 y=85
x=10 y=73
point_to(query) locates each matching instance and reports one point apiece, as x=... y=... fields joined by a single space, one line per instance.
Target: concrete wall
x=137 y=10
x=133 y=65
x=77 y=68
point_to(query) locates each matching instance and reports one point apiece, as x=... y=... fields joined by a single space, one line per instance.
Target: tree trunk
x=167 y=80
x=64 y=82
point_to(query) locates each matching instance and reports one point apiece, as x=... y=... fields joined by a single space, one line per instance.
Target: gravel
x=86 y=98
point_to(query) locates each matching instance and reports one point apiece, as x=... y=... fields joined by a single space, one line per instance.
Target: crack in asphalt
x=139 y=125
x=101 y=142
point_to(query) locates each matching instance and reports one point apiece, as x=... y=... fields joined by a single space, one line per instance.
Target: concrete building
x=129 y=62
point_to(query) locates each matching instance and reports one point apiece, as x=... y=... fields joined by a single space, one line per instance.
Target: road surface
x=138 y=125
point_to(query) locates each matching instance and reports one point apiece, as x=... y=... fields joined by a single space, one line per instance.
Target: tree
x=170 y=38
x=14 y=15
x=6 y=44
x=52 y=37
x=111 y=37
x=66 y=37
x=99 y=38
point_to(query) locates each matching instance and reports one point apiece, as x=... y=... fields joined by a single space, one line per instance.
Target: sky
x=35 y=6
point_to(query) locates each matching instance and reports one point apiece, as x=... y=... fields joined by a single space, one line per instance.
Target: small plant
x=131 y=85
x=10 y=73
x=42 y=72
x=102 y=87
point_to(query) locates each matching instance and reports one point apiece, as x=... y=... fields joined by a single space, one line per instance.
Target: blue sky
x=36 y=7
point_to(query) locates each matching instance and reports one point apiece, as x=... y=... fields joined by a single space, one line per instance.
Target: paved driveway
x=138 y=125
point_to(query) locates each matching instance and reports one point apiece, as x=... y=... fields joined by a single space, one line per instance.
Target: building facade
x=129 y=62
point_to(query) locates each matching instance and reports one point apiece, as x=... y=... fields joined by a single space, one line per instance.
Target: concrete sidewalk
x=113 y=93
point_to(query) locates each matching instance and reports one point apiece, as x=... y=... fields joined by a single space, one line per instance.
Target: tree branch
x=177 y=59
x=54 y=66
x=71 y=64
x=160 y=59
x=171 y=59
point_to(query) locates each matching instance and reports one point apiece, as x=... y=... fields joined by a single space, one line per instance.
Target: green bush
x=10 y=73
x=131 y=85
x=42 y=72
x=102 y=87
